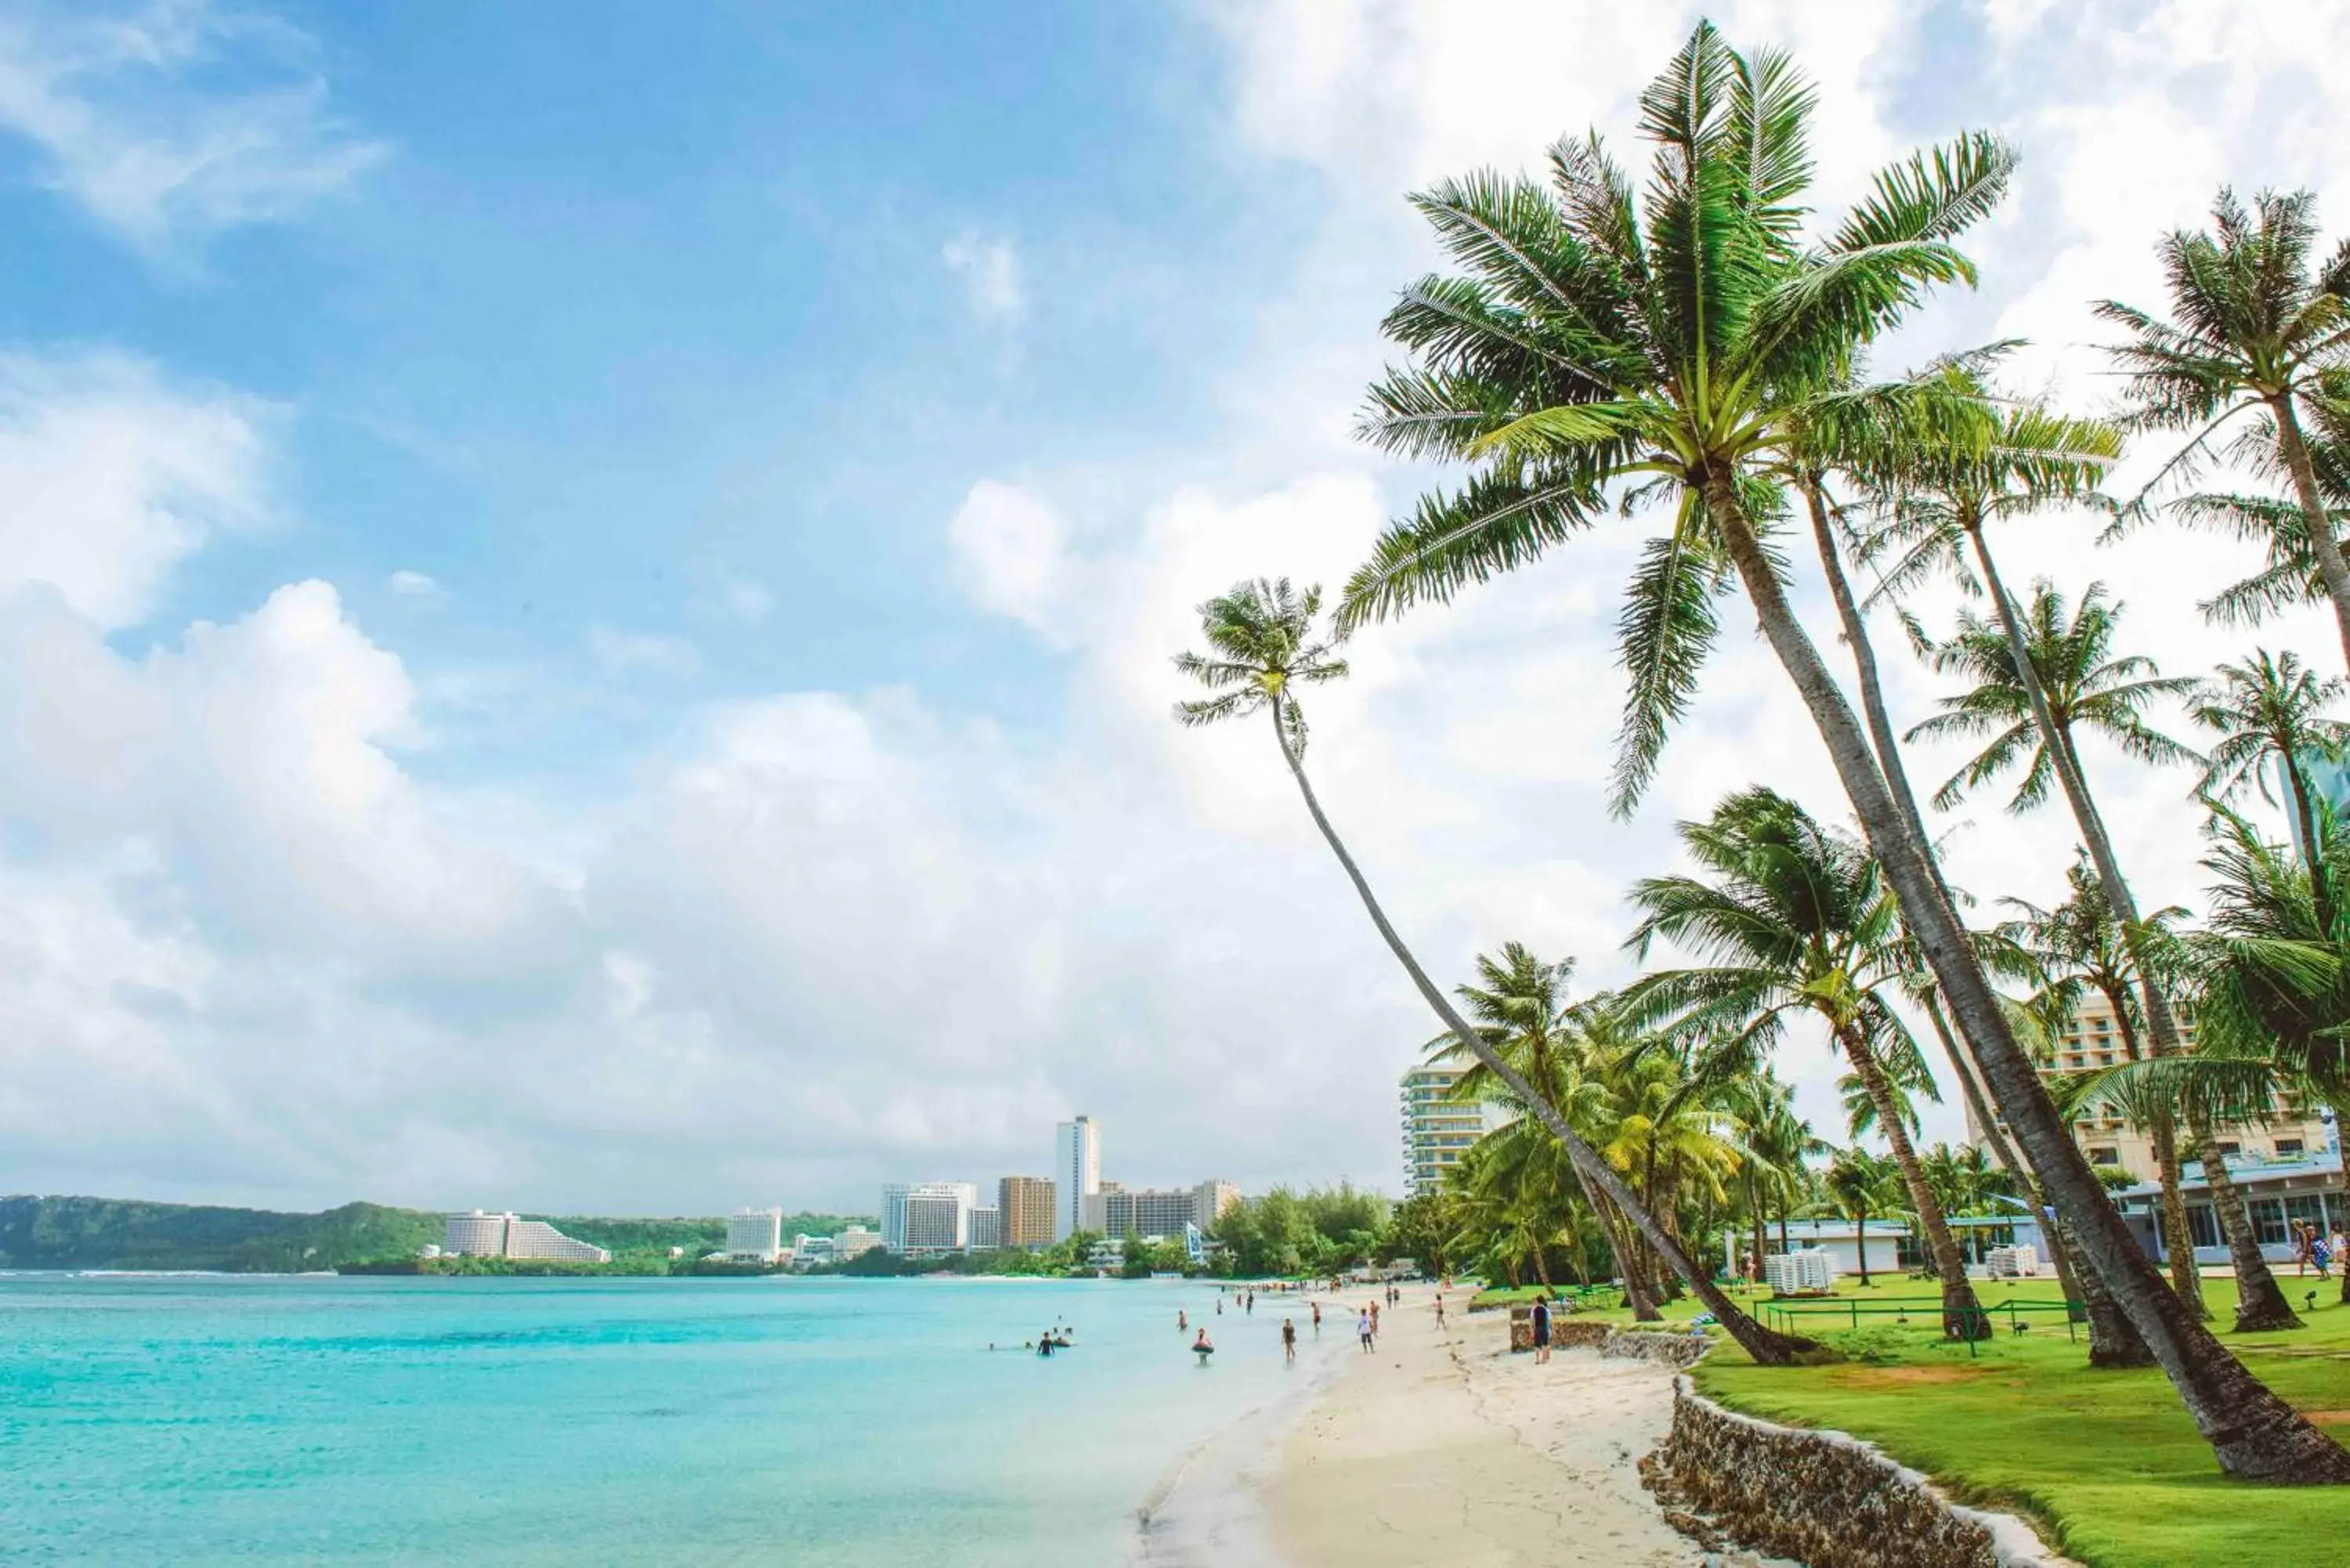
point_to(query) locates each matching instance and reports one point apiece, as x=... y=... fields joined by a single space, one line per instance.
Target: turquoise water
x=275 y=1420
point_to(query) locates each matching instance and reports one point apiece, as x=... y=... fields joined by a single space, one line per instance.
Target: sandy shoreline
x=1440 y=1450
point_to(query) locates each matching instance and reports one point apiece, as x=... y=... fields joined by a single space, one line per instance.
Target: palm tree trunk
x=2251 y=1431
x=1630 y=1261
x=2260 y=1303
x=1860 y=1243
x=2178 y=1238
x=2269 y=1309
x=1768 y=1347
x=2112 y=1342
x=2322 y=545
x=2321 y=887
x=1962 y=1314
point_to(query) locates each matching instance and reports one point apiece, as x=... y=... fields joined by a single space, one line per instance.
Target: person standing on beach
x=1288 y=1339
x=1440 y=1312
x=1363 y=1329
x=1318 y=1320
x=1249 y=1305
x=1541 y=1332
x=1375 y=1317
x=1182 y=1320
x=1220 y=1303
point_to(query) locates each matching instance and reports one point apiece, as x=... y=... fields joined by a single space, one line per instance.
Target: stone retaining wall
x=1822 y=1498
x=1677 y=1350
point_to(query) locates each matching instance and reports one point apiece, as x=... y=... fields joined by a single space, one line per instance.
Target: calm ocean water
x=203 y=1420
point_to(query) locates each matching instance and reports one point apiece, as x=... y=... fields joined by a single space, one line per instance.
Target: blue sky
x=583 y=604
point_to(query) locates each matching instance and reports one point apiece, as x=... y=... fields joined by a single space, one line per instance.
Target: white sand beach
x=1443 y=1450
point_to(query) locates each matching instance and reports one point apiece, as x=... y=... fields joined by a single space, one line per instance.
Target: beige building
x=1027 y=1202
x=1437 y=1129
x=2093 y=1040
x=1117 y=1212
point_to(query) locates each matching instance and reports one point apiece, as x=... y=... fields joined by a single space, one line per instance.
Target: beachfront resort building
x=1118 y=1212
x=2092 y=1039
x=1077 y=1173
x=2289 y=1167
x=1438 y=1126
x=1027 y=1202
x=928 y=1216
x=481 y=1234
x=754 y=1236
x=986 y=1230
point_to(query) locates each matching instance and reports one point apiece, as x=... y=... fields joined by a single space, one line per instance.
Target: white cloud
x=622 y=651
x=407 y=585
x=118 y=102
x=990 y=268
x=299 y=968
x=1014 y=551
x=113 y=474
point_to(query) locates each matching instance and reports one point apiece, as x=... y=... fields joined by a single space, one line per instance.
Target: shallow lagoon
x=205 y=1420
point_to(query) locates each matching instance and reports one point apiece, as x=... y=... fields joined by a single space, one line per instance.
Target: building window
x=2230 y=1150
x=2288 y=1147
x=2200 y=1227
x=2268 y=1221
x=2105 y=1156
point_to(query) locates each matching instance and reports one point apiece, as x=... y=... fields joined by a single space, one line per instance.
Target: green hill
x=126 y=1233
x=123 y=1233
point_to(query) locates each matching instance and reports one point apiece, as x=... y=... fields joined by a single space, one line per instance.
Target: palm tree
x=1670 y=339
x=1523 y=1013
x=2291 y=575
x=2272 y=982
x=2254 y=329
x=1263 y=646
x=2084 y=690
x=1774 y=1142
x=1860 y=1185
x=2061 y=674
x=2270 y=707
x=2079 y=944
x=1790 y=919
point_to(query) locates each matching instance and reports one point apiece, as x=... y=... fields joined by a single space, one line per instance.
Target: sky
x=584 y=608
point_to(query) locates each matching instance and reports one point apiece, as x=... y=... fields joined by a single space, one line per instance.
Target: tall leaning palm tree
x=1657 y=348
x=2255 y=330
x=1263 y=648
x=2079 y=946
x=2059 y=672
x=1789 y=919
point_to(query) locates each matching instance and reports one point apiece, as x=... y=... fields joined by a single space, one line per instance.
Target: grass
x=2108 y=1462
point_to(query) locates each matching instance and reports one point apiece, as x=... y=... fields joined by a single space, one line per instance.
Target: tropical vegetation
x=1685 y=351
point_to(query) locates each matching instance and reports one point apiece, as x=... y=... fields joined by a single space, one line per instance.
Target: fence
x=1788 y=1316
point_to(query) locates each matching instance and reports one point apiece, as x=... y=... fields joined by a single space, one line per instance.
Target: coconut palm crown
x=2071 y=652
x=1263 y=646
x=1676 y=341
x=2255 y=328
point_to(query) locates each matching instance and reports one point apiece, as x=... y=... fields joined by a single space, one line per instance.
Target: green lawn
x=2107 y=1462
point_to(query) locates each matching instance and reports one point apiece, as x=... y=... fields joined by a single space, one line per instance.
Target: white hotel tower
x=1077 y=1174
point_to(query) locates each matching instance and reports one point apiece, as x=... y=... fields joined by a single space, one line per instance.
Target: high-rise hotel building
x=1118 y=1211
x=1077 y=1174
x=1437 y=1129
x=1026 y=1203
x=927 y=1216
